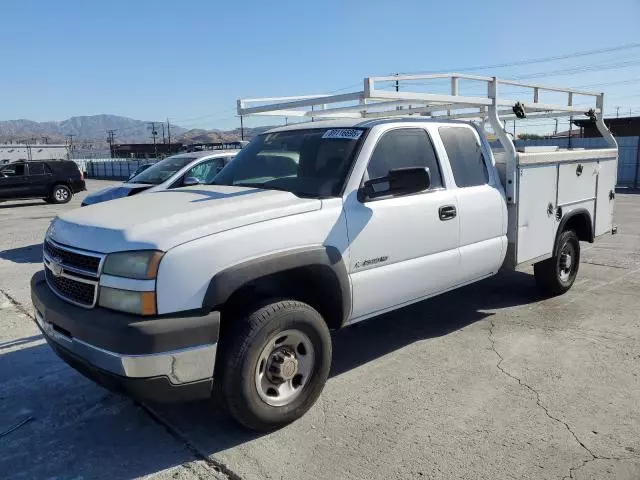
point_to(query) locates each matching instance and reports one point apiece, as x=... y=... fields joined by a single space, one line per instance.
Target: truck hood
x=162 y=220
x=115 y=191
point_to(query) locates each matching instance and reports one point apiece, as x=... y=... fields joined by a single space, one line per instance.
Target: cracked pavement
x=488 y=382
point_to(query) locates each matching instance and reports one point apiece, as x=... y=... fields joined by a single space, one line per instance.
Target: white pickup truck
x=313 y=227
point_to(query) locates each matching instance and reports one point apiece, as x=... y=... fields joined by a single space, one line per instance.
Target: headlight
x=141 y=265
x=141 y=303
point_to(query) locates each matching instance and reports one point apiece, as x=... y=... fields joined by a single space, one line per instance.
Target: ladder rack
x=375 y=102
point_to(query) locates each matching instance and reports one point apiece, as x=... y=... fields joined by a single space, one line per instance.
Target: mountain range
x=93 y=129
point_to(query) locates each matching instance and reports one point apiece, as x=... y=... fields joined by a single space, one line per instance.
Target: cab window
x=16 y=170
x=206 y=171
x=465 y=156
x=36 y=169
x=402 y=148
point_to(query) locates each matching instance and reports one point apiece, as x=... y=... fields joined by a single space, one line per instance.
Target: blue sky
x=191 y=60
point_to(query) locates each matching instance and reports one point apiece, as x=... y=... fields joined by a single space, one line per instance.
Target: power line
x=581 y=69
x=537 y=60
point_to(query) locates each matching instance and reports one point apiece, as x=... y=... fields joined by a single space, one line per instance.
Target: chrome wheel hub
x=284 y=367
x=565 y=263
x=61 y=194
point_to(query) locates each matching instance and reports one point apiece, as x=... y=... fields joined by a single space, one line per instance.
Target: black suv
x=55 y=181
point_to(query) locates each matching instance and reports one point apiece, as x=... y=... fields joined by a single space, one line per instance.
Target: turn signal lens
x=140 y=303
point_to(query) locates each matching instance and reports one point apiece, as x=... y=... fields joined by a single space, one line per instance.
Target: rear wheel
x=275 y=364
x=60 y=194
x=556 y=275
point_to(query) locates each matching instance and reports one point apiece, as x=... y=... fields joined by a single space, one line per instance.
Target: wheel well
x=60 y=182
x=315 y=285
x=579 y=222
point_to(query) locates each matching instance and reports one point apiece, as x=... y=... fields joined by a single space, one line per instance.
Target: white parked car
x=313 y=227
x=176 y=171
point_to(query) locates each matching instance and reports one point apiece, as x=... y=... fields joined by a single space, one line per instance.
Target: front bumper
x=163 y=358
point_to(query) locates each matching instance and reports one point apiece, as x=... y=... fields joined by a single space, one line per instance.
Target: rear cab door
x=480 y=197
x=39 y=179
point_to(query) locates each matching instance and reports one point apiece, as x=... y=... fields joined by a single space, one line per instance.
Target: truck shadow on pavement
x=107 y=436
x=211 y=431
x=28 y=254
x=435 y=317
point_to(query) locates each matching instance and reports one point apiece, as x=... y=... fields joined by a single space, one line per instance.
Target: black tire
x=246 y=343
x=60 y=193
x=553 y=276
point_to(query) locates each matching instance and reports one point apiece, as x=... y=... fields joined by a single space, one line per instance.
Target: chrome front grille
x=72 y=259
x=72 y=274
x=78 y=292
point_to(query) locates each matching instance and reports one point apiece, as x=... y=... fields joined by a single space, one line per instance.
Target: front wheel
x=556 y=275
x=275 y=364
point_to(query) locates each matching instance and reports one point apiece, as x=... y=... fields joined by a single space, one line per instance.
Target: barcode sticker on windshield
x=346 y=133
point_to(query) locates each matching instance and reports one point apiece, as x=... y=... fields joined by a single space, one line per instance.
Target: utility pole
x=555 y=130
x=514 y=129
x=617 y=112
x=70 y=137
x=154 y=133
x=169 y=134
x=241 y=128
x=111 y=134
x=163 y=139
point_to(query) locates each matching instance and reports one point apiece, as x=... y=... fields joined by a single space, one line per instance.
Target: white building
x=21 y=151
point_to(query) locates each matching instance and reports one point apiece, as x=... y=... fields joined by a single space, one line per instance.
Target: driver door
x=402 y=247
x=13 y=181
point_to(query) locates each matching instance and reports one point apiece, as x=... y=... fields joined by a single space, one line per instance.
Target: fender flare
x=574 y=213
x=226 y=282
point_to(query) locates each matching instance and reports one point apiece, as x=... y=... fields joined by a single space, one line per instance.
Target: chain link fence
x=111 y=168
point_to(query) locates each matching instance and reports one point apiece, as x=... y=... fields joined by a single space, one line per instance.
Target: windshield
x=310 y=162
x=161 y=171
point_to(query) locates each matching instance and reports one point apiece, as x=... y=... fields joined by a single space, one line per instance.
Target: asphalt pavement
x=487 y=382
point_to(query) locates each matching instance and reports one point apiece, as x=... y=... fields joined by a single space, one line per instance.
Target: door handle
x=447 y=212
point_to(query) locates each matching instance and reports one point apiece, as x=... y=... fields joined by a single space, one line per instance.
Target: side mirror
x=399 y=181
x=190 y=181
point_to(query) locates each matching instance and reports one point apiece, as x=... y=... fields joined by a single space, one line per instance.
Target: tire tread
x=545 y=274
x=240 y=339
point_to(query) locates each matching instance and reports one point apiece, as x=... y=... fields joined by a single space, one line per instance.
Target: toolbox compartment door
x=536 y=224
x=607 y=178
